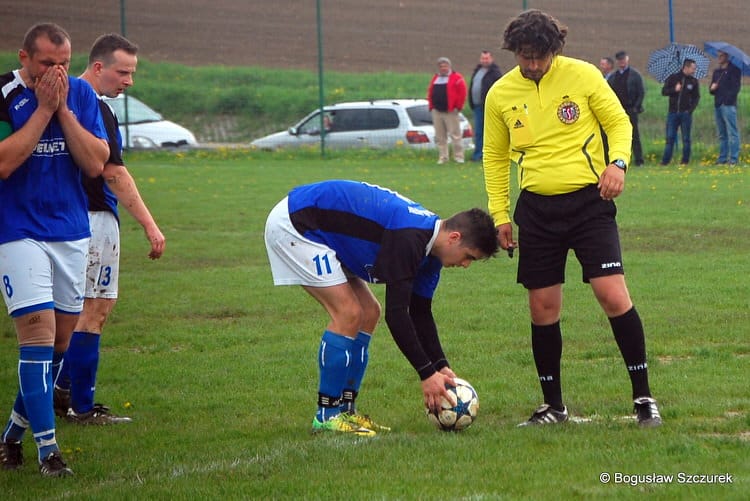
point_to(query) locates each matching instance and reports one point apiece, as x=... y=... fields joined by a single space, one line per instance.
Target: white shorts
x=103 y=270
x=34 y=273
x=295 y=260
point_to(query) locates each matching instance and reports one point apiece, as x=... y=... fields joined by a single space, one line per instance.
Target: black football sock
x=546 y=344
x=628 y=331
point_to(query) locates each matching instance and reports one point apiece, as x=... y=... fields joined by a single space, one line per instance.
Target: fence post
x=320 y=82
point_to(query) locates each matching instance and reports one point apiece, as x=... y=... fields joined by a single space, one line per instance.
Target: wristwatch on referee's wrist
x=620 y=164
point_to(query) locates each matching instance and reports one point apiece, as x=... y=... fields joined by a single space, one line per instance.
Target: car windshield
x=419 y=115
x=138 y=112
x=312 y=124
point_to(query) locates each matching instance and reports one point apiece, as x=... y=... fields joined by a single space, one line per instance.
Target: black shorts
x=549 y=226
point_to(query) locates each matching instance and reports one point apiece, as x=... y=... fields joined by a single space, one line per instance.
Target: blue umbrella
x=736 y=56
x=667 y=61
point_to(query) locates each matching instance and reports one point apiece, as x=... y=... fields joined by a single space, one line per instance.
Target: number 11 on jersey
x=320 y=262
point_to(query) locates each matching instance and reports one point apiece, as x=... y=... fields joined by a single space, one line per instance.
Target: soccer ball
x=460 y=416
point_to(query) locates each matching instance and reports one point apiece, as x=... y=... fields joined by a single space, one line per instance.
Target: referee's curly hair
x=537 y=31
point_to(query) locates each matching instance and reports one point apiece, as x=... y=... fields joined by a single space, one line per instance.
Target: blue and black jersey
x=382 y=237
x=100 y=197
x=43 y=199
x=379 y=235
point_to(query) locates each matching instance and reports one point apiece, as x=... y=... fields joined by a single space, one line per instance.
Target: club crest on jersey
x=568 y=112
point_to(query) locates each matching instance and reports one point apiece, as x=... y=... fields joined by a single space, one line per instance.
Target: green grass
x=217 y=367
x=254 y=101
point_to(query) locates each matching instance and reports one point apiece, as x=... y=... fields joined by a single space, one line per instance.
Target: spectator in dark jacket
x=447 y=96
x=485 y=74
x=725 y=85
x=682 y=89
x=628 y=85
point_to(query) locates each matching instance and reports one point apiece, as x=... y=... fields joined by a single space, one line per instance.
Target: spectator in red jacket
x=447 y=95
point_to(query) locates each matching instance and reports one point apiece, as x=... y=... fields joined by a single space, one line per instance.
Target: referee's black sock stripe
x=628 y=332
x=546 y=344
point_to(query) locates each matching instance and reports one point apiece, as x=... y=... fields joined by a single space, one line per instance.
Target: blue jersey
x=101 y=198
x=43 y=199
x=377 y=234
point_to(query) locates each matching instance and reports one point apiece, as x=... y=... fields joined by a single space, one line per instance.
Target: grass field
x=217 y=367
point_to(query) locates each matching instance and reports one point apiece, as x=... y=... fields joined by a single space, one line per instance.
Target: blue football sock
x=334 y=357
x=35 y=379
x=83 y=359
x=18 y=422
x=360 y=357
x=61 y=370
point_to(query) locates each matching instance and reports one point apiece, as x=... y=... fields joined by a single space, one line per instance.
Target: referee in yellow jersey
x=544 y=116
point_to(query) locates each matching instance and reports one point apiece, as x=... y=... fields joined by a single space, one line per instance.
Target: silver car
x=146 y=128
x=385 y=123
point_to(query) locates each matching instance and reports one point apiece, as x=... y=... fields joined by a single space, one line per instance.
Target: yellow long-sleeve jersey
x=551 y=131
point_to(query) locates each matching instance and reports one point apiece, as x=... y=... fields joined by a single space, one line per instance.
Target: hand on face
x=49 y=87
x=64 y=88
